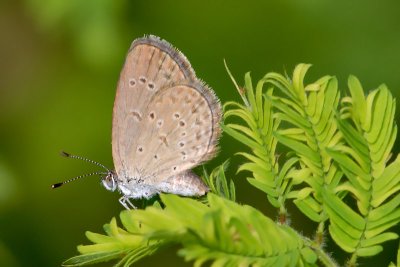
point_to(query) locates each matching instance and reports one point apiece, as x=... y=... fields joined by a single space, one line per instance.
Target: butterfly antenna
x=76 y=178
x=67 y=155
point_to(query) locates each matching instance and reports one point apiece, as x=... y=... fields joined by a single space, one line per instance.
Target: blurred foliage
x=60 y=61
x=91 y=25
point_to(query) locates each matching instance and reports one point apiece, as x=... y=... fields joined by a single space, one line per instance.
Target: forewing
x=151 y=65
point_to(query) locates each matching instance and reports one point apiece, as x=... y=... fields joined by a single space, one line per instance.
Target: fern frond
x=367 y=125
x=256 y=132
x=218 y=182
x=311 y=112
x=117 y=244
x=222 y=232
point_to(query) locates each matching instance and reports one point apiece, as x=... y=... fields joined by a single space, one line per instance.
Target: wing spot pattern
x=151 y=86
x=132 y=82
x=163 y=139
x=136 y=115
x=142 y=79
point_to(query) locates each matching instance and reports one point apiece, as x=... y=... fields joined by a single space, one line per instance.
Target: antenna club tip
x=65 y=154
x=56 y=185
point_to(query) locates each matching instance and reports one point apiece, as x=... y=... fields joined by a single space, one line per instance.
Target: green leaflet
x=240 y=137
x=309 y=207
x=389 y=179
x=359 y=102
x=95 y=257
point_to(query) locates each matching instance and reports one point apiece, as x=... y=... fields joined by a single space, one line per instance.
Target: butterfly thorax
x=135 y=186
x=136 y=190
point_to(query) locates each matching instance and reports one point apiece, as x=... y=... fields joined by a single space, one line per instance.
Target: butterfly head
x=110 y=181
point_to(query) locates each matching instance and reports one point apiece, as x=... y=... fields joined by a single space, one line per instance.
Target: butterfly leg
x=126 y=203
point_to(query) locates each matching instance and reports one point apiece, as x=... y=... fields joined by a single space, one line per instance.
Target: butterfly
x=166 y=121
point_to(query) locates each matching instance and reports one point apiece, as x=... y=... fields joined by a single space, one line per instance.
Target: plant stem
x=353 y=261
x=324 y=258
x=319 y=235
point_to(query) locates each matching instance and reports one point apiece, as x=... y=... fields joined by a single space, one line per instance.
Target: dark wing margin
x=166 y=47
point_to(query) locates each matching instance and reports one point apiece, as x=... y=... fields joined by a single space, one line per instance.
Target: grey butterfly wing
x=182 y=131
x=151 y=64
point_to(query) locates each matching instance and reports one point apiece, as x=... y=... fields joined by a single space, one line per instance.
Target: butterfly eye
x=109 y=182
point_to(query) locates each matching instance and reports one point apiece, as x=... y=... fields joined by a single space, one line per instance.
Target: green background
x=59 y=65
